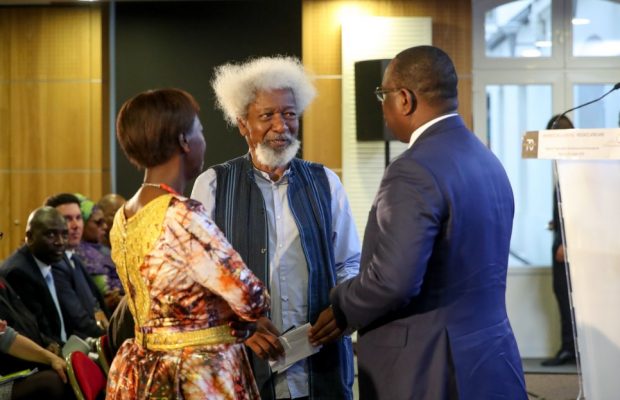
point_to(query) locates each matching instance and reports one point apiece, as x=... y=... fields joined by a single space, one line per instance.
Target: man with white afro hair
x=236 y=85
x=289 y=219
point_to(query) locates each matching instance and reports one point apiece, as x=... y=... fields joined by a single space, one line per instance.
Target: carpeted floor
x=543 y=383
x=552 y=386
x=550 y=383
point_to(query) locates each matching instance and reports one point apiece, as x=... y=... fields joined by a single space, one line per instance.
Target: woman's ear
x=183 y=143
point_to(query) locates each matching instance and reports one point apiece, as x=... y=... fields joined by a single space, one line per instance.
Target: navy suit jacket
x=429 y=302
x=24 y=276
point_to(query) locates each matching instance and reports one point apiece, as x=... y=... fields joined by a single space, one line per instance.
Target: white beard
x=274 y=159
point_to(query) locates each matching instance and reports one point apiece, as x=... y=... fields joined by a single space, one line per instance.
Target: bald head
x=111 y=202
x=46 y=234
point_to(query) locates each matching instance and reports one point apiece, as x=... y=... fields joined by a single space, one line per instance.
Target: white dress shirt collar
x=43 y=267
x=418 y=132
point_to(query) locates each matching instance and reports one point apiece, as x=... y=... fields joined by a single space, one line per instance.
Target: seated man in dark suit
x=30 y=270
x=86 y=317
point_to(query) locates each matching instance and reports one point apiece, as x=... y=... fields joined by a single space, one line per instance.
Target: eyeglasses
x=381 y=92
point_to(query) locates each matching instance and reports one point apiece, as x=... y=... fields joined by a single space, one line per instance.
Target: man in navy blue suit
x=429 y=302
x=30 y=271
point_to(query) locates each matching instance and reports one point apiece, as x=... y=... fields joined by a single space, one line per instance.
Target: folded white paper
x=296 y=347
x=75 y=343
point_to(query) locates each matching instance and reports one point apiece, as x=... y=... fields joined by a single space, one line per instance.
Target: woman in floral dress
x=186 y=285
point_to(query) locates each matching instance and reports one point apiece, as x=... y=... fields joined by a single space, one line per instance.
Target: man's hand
x=55 y=348
x=242 y=330
x=264 y=342
x=559 y=254
x=325 y=329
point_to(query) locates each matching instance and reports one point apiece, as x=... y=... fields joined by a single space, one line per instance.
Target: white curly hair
x=236 y=85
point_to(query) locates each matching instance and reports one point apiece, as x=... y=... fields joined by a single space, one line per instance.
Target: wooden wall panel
x=321 y=125
x=53 y=43
x=5 y=119
x=4 y=46
x=5 y=215
x=56 y=128
x=51 y=87
x=5 y=122
x=320 y=37
x=35 y=187
x=321 y=44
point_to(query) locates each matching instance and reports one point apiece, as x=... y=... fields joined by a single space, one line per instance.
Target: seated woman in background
x=98 y=262
x=186 y=286
x=46 y=384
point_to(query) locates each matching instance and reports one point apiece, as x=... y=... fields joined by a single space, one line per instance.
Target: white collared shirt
x=46 y=270
x=287 y=262
x=69 y=254
x=418 y=132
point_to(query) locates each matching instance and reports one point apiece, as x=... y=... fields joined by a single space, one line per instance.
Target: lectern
x=587 y=166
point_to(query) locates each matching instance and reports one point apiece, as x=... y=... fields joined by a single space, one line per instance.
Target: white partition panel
x=588 y=172
x=590 y=192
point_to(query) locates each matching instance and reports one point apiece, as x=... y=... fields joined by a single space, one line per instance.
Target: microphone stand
x=555 y=121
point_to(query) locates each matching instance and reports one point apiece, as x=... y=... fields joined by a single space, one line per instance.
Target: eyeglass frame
x=380 y=92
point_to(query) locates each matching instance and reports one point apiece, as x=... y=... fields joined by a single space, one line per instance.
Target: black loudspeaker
x=368 y=114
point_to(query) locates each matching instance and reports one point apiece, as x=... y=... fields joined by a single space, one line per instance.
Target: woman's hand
x=264 y=342
x=242 y=330
x=60 y=366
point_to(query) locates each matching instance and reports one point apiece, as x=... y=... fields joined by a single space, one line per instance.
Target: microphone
x=555 y=122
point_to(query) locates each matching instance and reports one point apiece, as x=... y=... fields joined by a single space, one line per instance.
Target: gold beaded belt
x=166 y=340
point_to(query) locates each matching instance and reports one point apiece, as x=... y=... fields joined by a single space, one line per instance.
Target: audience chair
x=102 y=345
x=86 y=378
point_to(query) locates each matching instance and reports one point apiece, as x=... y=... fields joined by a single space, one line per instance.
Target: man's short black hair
x=60 y=199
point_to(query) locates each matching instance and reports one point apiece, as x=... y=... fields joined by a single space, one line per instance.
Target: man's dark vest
x=240 y=214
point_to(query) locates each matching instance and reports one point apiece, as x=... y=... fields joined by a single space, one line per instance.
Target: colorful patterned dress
x=184 y=282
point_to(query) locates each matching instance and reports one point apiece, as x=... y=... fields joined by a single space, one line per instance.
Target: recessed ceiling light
x=580 y=21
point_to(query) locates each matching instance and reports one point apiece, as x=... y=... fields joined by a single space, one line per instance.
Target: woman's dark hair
x=148 y=125
x=564 y=118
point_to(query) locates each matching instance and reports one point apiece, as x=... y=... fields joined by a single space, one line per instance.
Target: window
x=534 y=59
x=518 y=29
x=596 y=31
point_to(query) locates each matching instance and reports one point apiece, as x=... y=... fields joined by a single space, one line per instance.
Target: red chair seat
x=86 y=378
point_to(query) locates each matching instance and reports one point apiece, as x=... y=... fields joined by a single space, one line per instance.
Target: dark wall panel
x=177 y=44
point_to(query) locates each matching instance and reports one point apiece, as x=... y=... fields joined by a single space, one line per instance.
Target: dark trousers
x=560 y=288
